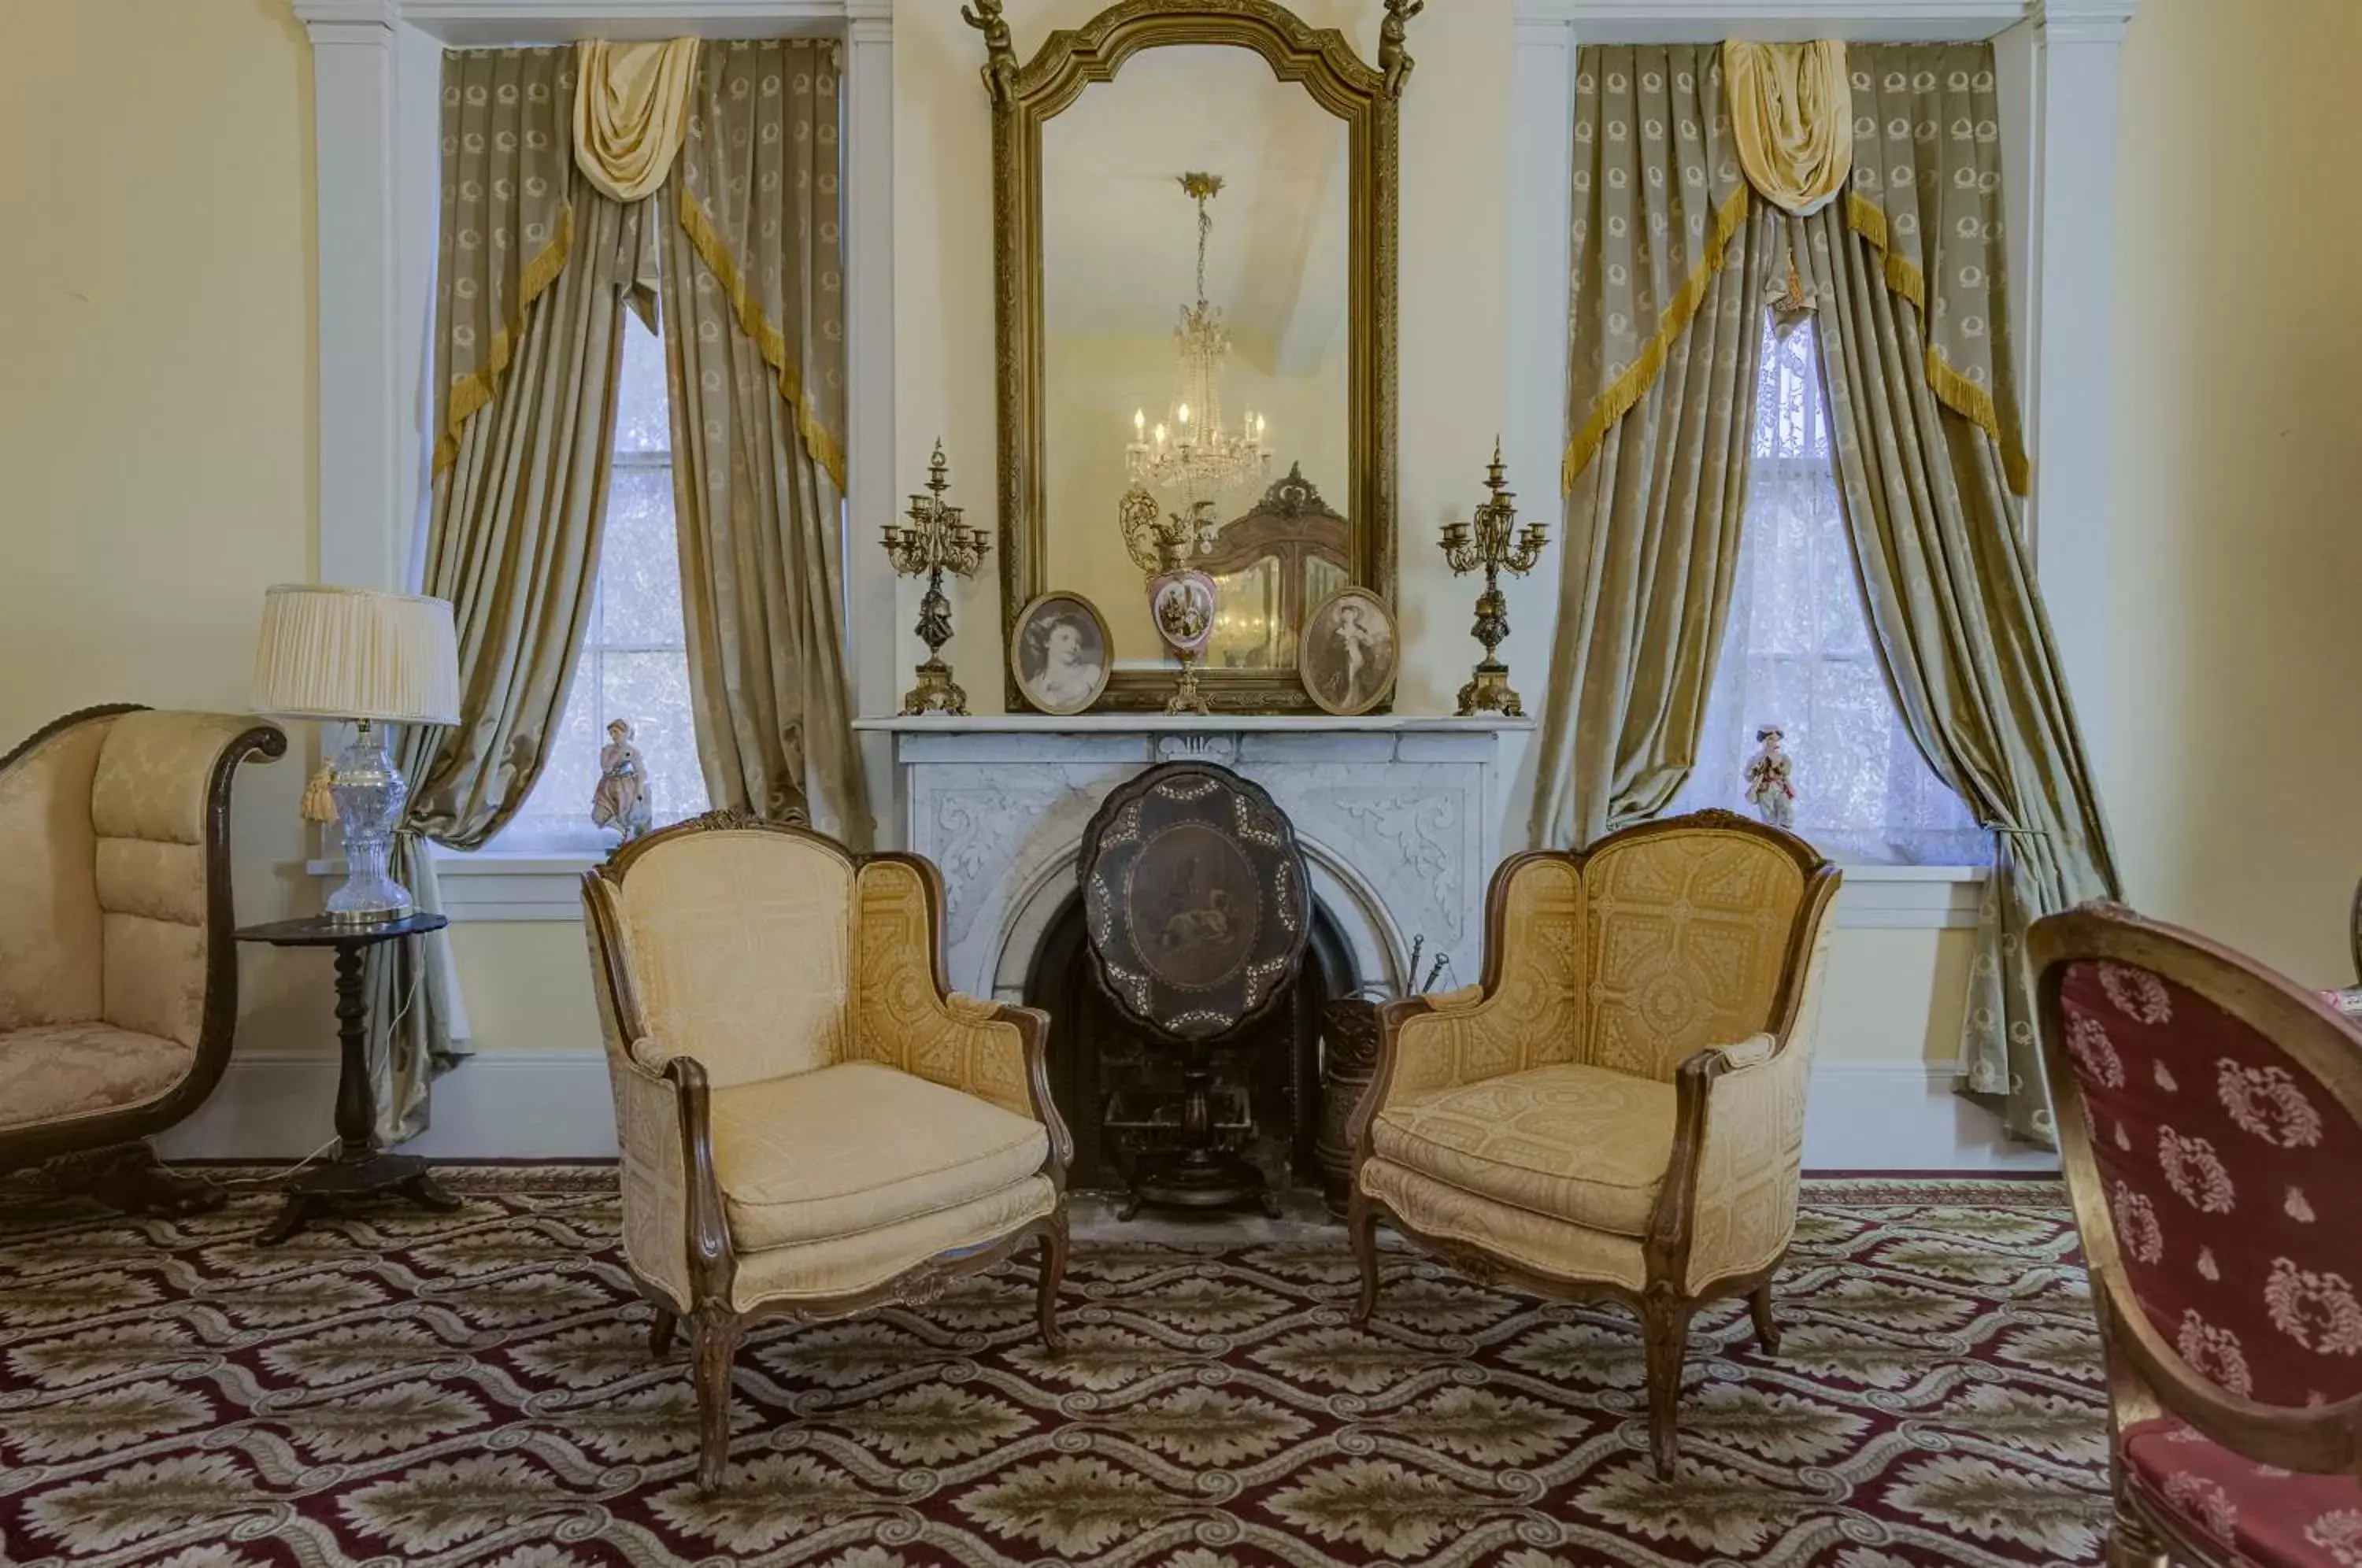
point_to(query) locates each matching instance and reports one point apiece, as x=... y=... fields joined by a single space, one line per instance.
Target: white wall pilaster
x=362 y=478
x=1541 y=157
x=2068 y=368
x=869 y=312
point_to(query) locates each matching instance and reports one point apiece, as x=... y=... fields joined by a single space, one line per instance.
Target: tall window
x=1798 y=653
x=635 y=660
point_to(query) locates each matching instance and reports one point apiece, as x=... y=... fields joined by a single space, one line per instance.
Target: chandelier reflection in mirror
x=1193 y=455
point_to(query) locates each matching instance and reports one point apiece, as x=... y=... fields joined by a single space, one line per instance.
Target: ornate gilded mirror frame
x=1024 y=97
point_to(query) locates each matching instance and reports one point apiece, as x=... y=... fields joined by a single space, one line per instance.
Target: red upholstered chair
x=2210 y=1118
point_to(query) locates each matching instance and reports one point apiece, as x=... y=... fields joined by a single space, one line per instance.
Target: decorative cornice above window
x=2084 y=21
x=1712 y=21
x=482 y=22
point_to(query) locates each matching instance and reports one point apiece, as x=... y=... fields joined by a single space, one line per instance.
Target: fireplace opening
x=1120 y=1092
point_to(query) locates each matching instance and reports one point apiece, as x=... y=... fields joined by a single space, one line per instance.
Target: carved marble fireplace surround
x=1398 y=816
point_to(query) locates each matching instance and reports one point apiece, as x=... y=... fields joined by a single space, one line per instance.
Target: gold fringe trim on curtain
x=769 y=341
x=1870 y=222
x=1976 y=404
x=472 y=394
x=1955 y=390
x=1633 y=385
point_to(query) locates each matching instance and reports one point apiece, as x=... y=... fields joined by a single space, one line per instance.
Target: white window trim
x=377 y=69
x=2057 y=63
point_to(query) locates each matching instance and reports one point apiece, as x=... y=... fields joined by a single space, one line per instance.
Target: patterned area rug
x=477 y=1389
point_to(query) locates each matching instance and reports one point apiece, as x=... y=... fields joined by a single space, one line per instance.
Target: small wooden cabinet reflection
x=1270 y=567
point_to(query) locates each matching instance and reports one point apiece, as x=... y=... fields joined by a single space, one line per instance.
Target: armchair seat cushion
x=846 y=1266
x=61 y=1072
x=859 y=1147
x=2255 y=1513
x=1584 y=1145
x=1536 y=1243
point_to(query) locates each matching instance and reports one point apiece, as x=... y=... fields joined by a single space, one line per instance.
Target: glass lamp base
x=370 y=796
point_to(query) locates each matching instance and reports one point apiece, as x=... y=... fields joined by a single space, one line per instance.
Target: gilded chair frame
x=1664 y=1304
x=132 y=1185
x=715 y=1325
x=1024 y=99
x=2147 y=1375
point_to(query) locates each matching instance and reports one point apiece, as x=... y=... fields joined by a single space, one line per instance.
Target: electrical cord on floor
x=244 y=1183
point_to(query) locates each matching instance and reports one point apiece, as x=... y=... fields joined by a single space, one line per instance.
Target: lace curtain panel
x=1797 y=653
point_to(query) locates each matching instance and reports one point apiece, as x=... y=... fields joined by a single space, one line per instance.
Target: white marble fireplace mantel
x=1398 y=815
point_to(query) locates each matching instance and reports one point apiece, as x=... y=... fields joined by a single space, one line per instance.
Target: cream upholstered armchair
x=809 y=1124
x=119 y=961
x=1618 y=1110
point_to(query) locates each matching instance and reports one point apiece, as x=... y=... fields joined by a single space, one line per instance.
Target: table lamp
x=349 y=654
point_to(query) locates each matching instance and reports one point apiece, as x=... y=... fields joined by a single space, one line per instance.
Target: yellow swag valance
x=630 y=113
x=1792 y=118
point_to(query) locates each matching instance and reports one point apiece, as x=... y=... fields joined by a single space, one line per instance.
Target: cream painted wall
x=157 y=392
x=2235 y=767
x=527 y=985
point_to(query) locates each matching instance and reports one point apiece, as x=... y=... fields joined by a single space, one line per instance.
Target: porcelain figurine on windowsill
x=621 y=801
x=1767 y=788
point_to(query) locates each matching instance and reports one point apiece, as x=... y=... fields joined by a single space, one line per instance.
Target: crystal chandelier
x=1193 y=455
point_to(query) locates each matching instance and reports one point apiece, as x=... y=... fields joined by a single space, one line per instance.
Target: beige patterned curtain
x=1671 y=261
x=1926 y=197
x=526 y=355
x=755 y=344
x=507 y=225
x=1915 y=352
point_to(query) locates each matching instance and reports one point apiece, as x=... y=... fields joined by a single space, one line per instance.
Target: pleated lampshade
x=348 y=653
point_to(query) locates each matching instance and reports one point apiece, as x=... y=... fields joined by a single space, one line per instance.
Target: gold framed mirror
x=1195 y=206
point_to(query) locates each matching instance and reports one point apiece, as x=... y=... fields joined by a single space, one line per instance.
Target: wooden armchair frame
x=110 y=1143
x=2147 y=1376
x=1663 y=1304
x=712 y=1261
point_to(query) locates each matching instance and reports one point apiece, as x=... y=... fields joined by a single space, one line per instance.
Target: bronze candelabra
x=938 y=540
x=1487 y=543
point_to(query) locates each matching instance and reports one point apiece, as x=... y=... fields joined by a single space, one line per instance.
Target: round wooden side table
x=361 y=1170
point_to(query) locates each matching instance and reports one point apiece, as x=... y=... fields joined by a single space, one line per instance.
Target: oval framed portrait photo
x=1349 y=654
x=1061 y=652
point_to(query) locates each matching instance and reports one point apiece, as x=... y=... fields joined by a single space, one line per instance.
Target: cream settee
x=118 y=960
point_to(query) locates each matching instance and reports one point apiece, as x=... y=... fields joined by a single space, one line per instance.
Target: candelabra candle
x=938 y=540
x=1493 y=545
